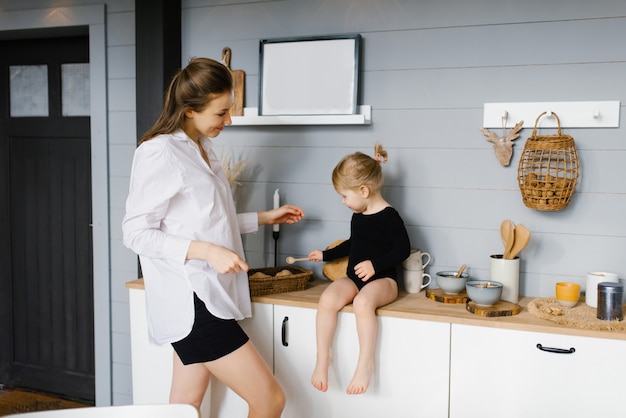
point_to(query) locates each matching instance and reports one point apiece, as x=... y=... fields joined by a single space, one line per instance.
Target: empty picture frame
x=309 y=76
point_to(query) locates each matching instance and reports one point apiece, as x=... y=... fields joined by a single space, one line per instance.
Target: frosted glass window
x=75 y=90
x=28 y=90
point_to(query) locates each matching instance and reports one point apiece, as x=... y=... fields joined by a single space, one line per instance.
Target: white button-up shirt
x=174 y=198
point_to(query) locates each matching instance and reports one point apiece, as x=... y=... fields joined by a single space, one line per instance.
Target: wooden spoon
x=458 y=273
x=507 y=231
x=291 y=260
x=522 y=236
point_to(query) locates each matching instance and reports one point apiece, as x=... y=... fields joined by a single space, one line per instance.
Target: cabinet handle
x=556 y=350
x=284 y=331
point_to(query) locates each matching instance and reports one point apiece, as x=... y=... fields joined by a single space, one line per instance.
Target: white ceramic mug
x=591 y=287
x=415 y=280
x=416 y=260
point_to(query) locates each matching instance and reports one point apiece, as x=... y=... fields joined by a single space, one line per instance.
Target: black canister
x=610 y=301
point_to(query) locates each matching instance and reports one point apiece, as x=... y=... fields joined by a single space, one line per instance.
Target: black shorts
x=210 y=338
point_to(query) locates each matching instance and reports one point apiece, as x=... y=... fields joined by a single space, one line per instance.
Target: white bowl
x=484 y=292
x=450 y=284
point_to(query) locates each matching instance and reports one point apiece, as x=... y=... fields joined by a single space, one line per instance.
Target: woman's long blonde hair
x=358 y=169
x=191 y=88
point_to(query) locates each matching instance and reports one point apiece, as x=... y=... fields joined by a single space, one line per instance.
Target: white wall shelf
x=251 y=117
x=601 y=114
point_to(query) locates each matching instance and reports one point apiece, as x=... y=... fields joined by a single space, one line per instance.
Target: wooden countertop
x=418 y=306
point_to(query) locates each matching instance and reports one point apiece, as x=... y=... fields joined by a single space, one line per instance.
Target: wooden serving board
x=439 y=295
x=239 y=77
x=501 y=308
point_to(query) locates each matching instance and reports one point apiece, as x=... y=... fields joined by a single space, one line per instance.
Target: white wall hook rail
x=603 y=114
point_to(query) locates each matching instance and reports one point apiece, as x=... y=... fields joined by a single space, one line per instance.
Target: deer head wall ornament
x=503 y=146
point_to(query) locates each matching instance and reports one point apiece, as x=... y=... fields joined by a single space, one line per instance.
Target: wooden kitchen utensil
x=507 y=231
x=238 y=84
x=522 y=236
x=291 y=260
x=461 y=269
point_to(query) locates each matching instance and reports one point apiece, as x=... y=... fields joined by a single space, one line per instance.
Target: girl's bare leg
x=376 y=294
x=243 y=371
x=337 y=295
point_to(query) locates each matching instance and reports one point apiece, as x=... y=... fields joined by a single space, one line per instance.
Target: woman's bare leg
x=337 y=295
x=374 y=295
x=189 y=383
x=245 y=372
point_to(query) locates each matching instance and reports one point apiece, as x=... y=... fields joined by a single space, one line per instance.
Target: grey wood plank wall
x=427 y=70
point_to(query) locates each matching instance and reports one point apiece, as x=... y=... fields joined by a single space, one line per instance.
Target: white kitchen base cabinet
x=411 y=379
x=502 y=373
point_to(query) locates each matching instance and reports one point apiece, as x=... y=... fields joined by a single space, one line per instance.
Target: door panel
x=46 y=241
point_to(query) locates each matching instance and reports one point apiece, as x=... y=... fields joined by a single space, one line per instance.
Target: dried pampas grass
x=234 y=170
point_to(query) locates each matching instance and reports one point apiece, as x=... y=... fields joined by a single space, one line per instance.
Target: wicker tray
x=260 y=286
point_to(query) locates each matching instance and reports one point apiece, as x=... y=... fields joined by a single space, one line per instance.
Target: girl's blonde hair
x=358 y=169
x=191 y=88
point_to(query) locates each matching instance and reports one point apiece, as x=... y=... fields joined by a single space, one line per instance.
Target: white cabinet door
x=412 y=373
x=224 y=403
x=502 y=373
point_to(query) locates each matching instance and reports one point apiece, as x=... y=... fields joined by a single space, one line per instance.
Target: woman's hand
x=288 y=214
x=364 y=270
x=220 y=258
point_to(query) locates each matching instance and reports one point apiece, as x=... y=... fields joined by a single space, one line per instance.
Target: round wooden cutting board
x=439 y=295
x=501 y=308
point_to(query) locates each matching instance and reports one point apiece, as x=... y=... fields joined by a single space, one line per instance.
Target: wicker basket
x=548 y=170
x=260 y=286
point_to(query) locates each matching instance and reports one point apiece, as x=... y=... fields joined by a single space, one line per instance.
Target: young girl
x=181 y=220
x=378 y=243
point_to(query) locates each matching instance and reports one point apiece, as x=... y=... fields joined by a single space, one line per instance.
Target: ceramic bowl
x=484 y=292
x=450 y=284
x=567 y=294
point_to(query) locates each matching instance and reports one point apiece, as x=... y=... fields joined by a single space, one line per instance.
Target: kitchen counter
x=418 y=306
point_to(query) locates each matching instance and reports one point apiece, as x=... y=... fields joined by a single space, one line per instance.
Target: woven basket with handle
x=548 y=170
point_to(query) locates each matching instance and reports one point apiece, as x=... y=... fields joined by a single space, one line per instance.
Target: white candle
x=276 y=206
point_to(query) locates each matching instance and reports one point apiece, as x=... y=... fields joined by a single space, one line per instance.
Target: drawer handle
x=284 y=331
x=556 y=350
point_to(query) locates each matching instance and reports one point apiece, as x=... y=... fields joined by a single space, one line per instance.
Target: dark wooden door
x=46 y=279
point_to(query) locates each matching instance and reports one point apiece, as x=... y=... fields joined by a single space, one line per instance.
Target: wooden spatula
x=507 y=231
x=522 y=236
x=238 y=83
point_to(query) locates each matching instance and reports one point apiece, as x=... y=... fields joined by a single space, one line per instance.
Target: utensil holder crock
x=506 y=272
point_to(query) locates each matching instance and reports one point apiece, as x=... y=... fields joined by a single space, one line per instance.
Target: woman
x=181 y=221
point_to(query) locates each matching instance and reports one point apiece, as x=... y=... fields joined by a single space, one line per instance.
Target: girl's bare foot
x=361 y=379
x=320 y=375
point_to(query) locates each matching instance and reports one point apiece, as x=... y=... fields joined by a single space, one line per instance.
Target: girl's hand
x=222 y=259
x=364 y=270
x=316 y=255
x=288 y=214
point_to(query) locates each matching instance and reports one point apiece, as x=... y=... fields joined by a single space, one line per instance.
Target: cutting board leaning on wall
x=238 y=83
